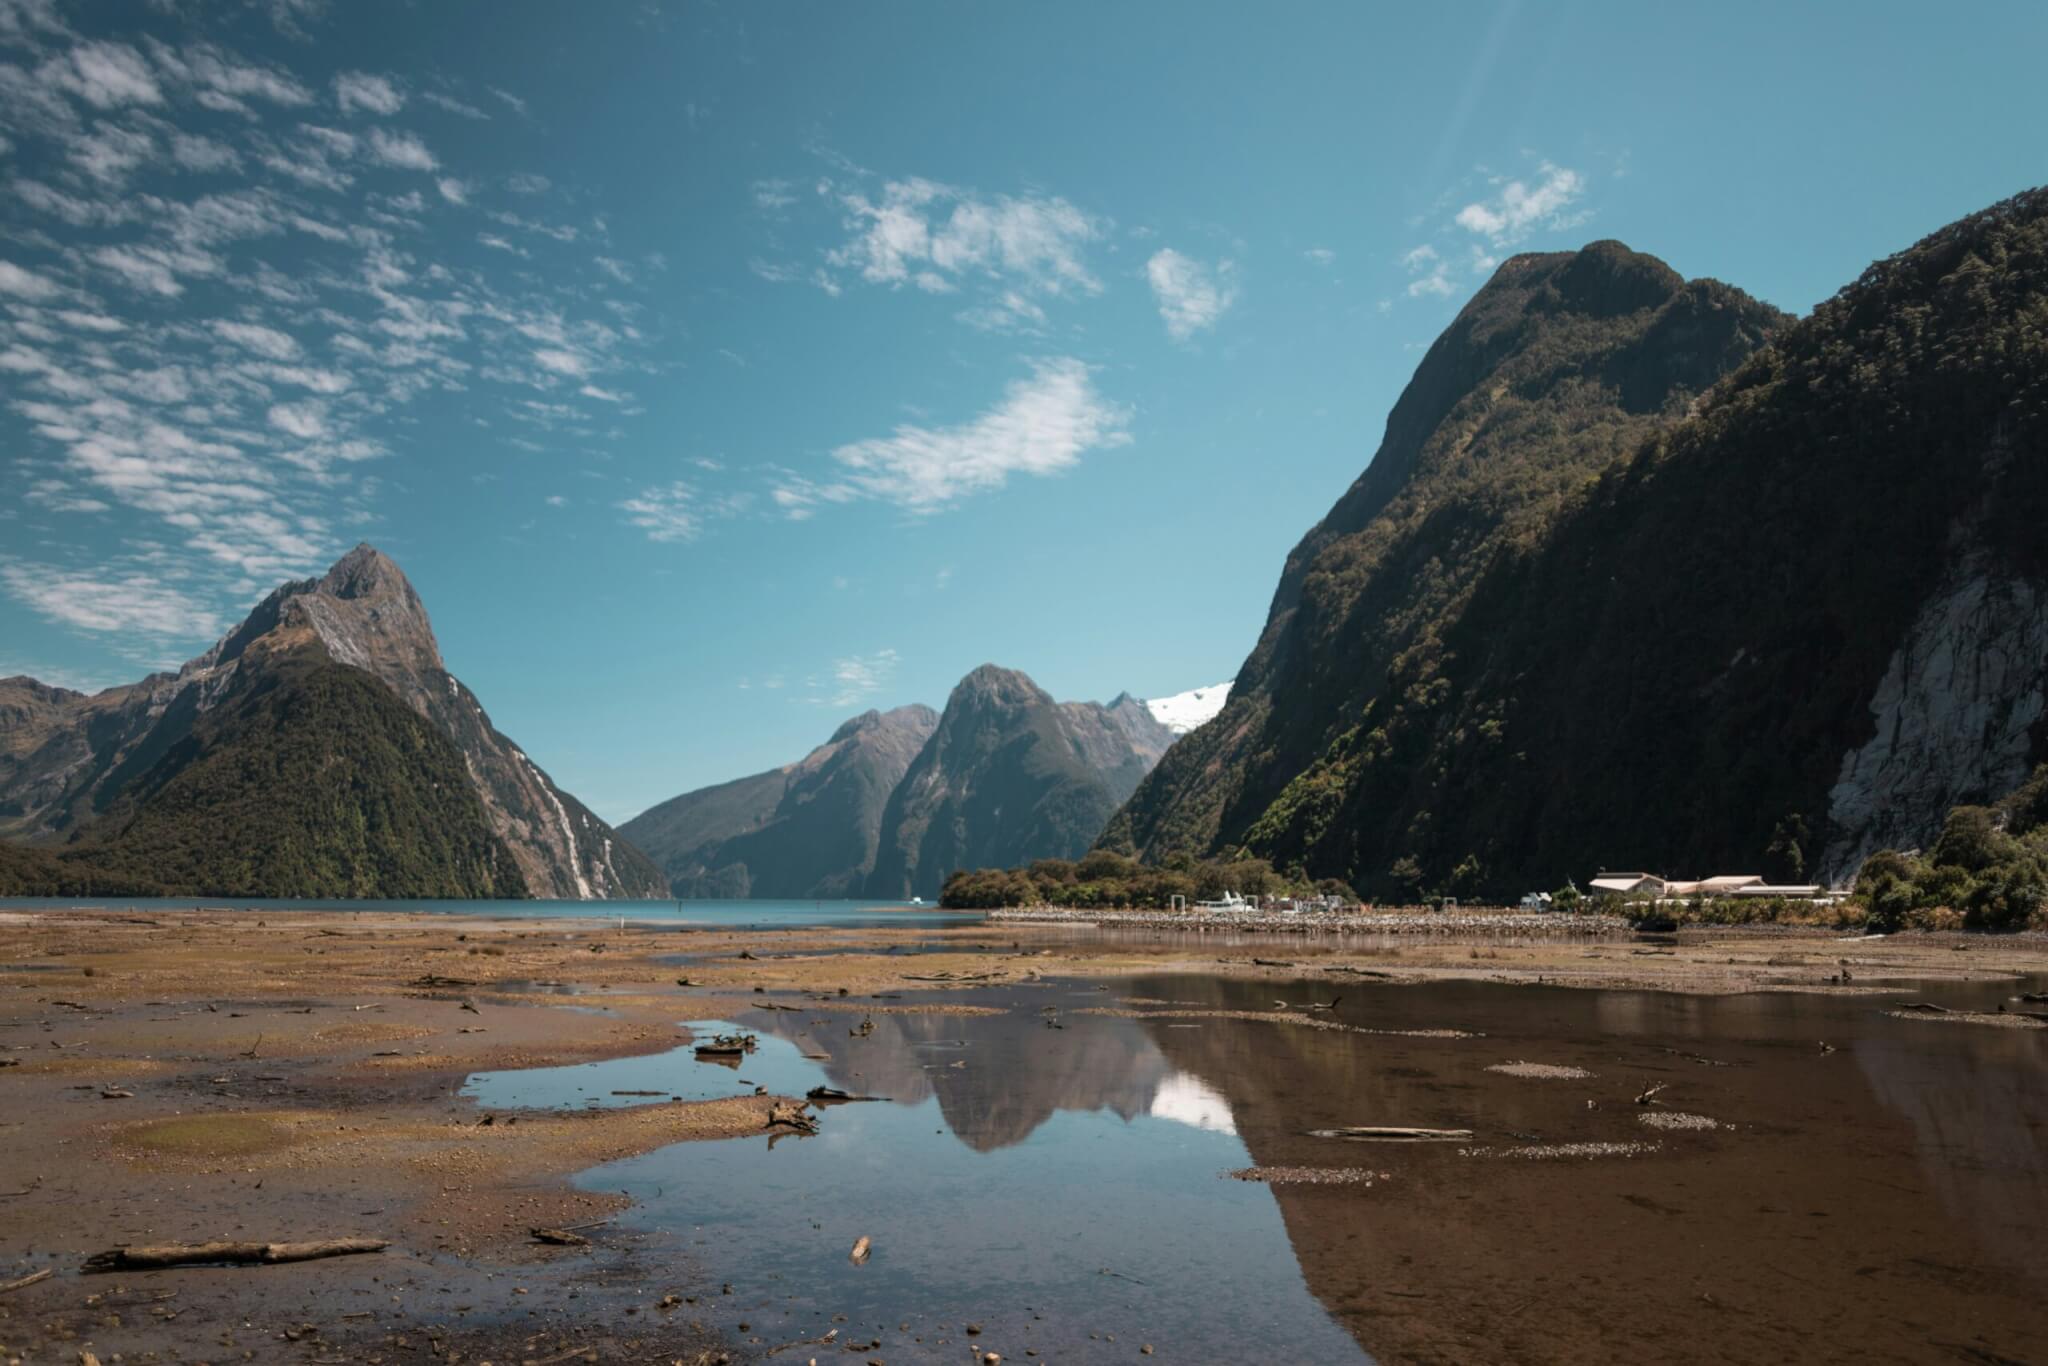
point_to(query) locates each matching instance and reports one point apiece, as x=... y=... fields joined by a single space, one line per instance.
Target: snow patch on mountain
x=1184 y=711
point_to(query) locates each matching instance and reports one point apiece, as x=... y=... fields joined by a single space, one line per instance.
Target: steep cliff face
x=1008 y=776
x=65 y=759
x=807 y=830
x=1955 y=718
x=1558 y=365
x=1787 y=620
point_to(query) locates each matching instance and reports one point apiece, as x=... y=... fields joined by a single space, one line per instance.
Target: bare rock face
x=1954 y=717
x=1008 y=776
x=64 y=757
x=803 y=831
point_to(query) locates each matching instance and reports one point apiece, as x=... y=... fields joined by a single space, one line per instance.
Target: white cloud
x=306 y=421
x=193 y=233
x=223 y=81
x=1043 y=425
x=453 y=105
x=195 y=152
x=938 y=238
x=562 y=362
x=104 y=75
x=1431 y=273
x=1320 y=256
x=771 y=196
x=25 y=284
x=148 y=269
x=1520 y=208
x=403 y=150
x=101 y=602
x=855 y=679
x=264 y=341
x=666 y=514
x=354 y=90
x=1191 y=296
x=1012 y=312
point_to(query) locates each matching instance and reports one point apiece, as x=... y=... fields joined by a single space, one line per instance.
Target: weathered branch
x=226 y=1254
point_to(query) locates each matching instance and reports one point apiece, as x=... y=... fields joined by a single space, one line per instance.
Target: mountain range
x=319 y=749
x=896 y=800
x=1646 y=573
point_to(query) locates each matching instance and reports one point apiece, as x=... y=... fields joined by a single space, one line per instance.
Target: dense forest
x=309 y=779
x=1588 y=631
x=1103 y=878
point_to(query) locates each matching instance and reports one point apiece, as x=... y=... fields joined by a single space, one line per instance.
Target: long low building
x=1652 y=886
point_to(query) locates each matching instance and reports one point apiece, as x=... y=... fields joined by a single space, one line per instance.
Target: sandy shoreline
x=294 y=1075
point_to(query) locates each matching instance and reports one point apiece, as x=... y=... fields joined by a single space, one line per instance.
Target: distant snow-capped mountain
x=1184 y=711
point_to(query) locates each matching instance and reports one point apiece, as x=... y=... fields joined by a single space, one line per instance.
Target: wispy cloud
x=1518 y=207
x=403 y=150
x=1513 y=210
x=1319 y=256
x=1191 y=296
x=217 y=306
x=678 y=511
x=96 y=602
x=361 y=92
x=1429 y=273
x=665 y=514
x=853 y=680
x=1007 y=254
x=1044 y=424
x=453 y=105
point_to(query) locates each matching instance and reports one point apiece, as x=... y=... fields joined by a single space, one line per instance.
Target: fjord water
x=1879 y=1198
x=765 y=915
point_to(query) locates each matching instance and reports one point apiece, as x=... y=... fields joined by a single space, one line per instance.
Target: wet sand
x=295 y=1076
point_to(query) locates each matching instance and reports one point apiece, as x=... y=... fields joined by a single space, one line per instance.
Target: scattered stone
x=1558 y=1152
x=1540 y=1070
x=1309 y=1176
x=1678 y=1119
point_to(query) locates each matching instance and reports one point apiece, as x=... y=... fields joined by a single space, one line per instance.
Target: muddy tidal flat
x=1062 y=1140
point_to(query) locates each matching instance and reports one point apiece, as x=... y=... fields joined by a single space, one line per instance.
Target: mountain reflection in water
x=1879 y=1198
x=997 y=1078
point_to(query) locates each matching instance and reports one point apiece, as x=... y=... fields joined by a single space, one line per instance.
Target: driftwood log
x=792 y=1115
x=1392 y=1133
x=226 y=1254
x=560 y=1237
x=27 y=1280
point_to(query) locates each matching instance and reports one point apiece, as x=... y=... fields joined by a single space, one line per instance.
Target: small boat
x=1229 y=901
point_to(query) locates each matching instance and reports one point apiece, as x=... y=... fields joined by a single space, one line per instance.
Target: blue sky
x=718 y=371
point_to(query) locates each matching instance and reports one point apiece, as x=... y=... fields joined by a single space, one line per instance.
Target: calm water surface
x=1880 y=1198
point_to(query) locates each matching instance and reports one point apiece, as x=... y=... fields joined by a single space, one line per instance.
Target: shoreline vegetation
x=1988 y=871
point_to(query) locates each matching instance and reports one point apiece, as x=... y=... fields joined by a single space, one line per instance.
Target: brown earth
x=294 y=1076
